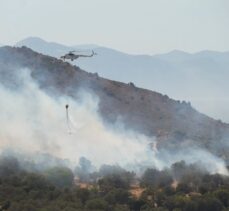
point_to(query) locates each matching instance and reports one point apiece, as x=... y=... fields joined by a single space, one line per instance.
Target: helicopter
x=72 y=56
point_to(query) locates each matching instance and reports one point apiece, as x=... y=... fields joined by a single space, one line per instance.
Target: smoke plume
x=34 y=122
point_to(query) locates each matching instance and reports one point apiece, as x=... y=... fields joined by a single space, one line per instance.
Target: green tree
x=60 y=176
x=223 y=196
x=96 y=204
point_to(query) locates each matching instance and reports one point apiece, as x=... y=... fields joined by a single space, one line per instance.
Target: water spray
x=67 y=119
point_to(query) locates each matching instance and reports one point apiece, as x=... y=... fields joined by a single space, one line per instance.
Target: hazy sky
x=135 y=26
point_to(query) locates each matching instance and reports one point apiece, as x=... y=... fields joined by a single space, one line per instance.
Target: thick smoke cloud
x=34 y=122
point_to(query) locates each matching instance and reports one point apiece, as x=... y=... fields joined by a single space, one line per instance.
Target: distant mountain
x=50 y=48
x=41 y=46
x=199 y=78
x=174 y=123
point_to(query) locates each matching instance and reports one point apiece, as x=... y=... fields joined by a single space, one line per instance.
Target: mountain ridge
x=195 y=77
x=31 y=40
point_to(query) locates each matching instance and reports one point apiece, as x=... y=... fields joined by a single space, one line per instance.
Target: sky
x=132 y=26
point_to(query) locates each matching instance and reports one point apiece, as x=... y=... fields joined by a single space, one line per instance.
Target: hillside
x=196 y=77
x=174 y=123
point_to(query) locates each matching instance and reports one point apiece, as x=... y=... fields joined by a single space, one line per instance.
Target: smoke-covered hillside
x=170 y=125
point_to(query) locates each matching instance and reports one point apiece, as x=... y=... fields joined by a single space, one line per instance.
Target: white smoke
x=193 y=154
x=33 y=122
